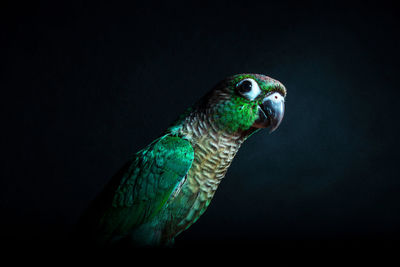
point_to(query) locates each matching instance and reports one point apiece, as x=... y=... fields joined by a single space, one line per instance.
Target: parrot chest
x=213 y=154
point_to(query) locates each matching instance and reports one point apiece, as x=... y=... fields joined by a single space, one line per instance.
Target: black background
x=84 y=86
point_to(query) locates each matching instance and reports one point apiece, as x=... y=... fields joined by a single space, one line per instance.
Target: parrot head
x=246 y=101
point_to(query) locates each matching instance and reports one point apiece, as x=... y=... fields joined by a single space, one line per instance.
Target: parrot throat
x=214 y=150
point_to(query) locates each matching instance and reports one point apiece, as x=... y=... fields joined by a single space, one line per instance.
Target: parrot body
x=169 y=184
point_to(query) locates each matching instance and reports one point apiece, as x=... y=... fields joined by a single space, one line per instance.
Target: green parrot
x=165 y=187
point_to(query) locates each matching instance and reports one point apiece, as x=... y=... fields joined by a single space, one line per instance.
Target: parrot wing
x=142 y=187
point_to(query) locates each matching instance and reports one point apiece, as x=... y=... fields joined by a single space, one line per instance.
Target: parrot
x=165 y=187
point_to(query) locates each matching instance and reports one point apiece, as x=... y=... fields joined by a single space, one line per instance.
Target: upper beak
x=271 y=112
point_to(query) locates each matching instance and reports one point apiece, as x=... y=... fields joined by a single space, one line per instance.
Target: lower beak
x=271 y=112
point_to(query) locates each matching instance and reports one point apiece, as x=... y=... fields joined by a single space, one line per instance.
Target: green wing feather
x=141 y=188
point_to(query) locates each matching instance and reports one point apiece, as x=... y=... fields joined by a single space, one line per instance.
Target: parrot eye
x=248 y=88
x=245 y=87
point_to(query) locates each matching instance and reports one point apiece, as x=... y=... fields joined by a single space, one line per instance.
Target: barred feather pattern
x=214 y=150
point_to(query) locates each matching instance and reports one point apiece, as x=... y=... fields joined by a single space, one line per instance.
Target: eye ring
x=248 y=88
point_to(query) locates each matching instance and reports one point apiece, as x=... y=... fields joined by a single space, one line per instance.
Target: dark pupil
x=245 y=87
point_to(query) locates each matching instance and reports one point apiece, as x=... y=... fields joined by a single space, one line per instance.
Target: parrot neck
x=214 y=150
x=200 y=125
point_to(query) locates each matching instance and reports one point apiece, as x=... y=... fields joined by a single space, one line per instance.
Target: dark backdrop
x=84 y=86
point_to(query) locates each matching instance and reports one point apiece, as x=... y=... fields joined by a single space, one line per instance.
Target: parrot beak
x=271 y=112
